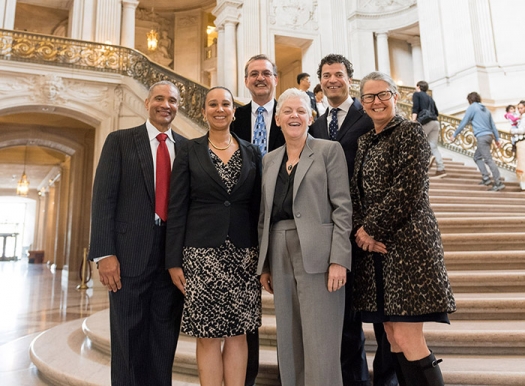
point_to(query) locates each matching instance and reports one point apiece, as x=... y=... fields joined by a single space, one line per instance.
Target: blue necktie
x=332 y=129
x=259 y=134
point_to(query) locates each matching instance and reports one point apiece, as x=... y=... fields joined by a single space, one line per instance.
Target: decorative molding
x=384 y=6
x=186 y=21
x=294 y=14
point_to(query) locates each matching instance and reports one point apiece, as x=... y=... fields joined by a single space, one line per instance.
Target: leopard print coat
x=390 y=200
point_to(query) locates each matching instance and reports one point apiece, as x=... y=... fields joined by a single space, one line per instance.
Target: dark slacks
x=145 y=316
x=253 y=357
x=353 y=356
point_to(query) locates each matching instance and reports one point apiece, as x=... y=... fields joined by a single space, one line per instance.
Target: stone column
x=213 y=77
x=227 y=17
x=81 y=20
x=417 y=59
x=230 y=56
x=50 y=234
x=127 y=33
x=7 y=14
x=107 y=22
x=220 y=55
x=383 y=54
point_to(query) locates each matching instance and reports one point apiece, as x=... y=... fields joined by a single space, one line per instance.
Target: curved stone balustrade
x=64 y=52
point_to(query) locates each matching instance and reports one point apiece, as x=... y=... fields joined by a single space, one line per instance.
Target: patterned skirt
x=223 y=293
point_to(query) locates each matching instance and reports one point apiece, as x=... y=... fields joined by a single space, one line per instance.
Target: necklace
x=290 y=167
x=221 y=148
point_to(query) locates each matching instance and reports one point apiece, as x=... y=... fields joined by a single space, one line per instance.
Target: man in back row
x=345 y=121
x=255 y=123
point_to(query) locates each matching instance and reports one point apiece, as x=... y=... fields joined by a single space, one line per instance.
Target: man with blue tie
x=255 y=122
x=345 y=121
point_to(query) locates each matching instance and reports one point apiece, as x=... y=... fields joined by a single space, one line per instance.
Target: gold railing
x=64 y=52
x=465 y=142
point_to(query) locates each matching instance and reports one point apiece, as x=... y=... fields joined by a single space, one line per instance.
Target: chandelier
x=153 y=35
x=22 y=188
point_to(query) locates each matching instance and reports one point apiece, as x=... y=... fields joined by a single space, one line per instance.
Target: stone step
x=487 y=281
x=439 y=191
x=462 y=185
x=65 y=356
x=485 y=260
x=484 y=241
x=481 y=224
x=478 y=208
x=448 y=214
x=471 y=306
x=492 y=200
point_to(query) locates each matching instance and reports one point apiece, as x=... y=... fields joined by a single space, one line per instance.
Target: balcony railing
x=64 y=52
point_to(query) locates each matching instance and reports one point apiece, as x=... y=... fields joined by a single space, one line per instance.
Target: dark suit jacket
x=201 y=212
x=356 y=124
x=123 y=208
x=313 y=103
x=242 y=126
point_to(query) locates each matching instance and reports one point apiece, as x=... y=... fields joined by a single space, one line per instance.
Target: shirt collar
x=153 y=132
x=268 y=107
x=345 y=106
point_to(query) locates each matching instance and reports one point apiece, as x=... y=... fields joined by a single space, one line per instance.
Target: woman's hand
x=367 y=242
x=266 y=282
x=336 y=277
x=177 y=277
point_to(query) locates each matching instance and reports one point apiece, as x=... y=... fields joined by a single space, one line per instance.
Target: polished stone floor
x=34 y=298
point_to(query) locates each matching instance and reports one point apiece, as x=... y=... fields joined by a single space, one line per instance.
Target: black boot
x=411 y=372
x=428 y=371
x=398 y=359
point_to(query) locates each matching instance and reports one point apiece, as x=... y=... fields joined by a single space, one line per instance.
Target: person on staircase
x=485 y=132
x=422 y=102
x=518 y=137
x=212 y=242
x=400 y=275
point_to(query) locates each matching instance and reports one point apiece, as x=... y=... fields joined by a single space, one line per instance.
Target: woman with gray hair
x=400 y=275
x=304 y=238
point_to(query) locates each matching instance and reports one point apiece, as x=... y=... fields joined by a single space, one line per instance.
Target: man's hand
x=109 y=272
x=177 y=277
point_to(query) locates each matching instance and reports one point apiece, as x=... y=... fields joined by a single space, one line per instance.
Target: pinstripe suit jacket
x=123 y=206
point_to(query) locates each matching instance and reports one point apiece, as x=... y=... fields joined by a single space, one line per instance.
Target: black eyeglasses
x=383 y=96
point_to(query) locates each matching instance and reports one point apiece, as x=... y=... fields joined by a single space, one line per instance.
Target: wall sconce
x=153 y=35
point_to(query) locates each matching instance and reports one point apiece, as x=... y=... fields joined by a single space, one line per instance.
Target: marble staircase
x=484 y=238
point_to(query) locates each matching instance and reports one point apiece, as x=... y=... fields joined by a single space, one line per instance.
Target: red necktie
x=163 y=178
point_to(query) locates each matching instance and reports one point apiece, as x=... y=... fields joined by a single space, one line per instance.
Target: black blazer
x=242 y=126
x=123 y=208
x=201 y=213
x=355 y=124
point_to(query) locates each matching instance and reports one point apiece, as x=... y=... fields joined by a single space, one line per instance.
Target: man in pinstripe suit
x=128 y=244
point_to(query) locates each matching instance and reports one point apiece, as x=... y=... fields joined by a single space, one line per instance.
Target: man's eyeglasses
x=382 y=96
x=264 y=74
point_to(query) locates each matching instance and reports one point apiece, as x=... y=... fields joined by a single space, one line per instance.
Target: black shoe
x=485 y=182
x=497 y=188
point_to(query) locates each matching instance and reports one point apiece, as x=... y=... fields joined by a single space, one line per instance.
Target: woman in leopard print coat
x=400 y=275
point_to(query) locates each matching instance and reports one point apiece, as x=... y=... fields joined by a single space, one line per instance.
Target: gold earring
x=233 y=119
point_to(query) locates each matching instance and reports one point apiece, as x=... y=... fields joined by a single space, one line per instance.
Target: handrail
x=65 y=52
x=465 y=142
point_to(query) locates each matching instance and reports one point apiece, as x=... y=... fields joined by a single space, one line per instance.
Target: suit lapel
x=304 y=164
x=246 y=157
x=351 y=118
x=203 y=156
x=270 y=173
x=322 y=131
x=140 y=136
x=243 y=122
x=274 y=130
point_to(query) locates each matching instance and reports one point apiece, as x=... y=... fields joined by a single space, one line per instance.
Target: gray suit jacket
x=321 y=205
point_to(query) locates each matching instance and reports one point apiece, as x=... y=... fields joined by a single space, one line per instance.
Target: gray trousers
x=483 y=156
x=309 y=318
x=431 y=130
